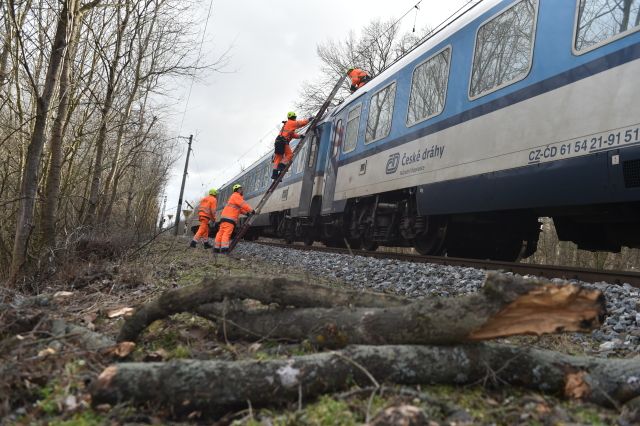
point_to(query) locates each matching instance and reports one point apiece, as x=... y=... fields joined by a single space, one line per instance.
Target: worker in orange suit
x=229 y=218
x=282 y=148
x=358 y=78
x=207 y=217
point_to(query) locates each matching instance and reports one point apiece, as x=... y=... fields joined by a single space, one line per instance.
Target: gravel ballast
x=621 y=329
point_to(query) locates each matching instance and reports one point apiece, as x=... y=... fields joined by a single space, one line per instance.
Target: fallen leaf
x=62 y=294
x=71 y=402
x=156 y=356
x=104 y=408
x=543 y=409
x=255 y=347
x=194 y=415
x=121 y=350
x=19 y=337
x=126 y=312
x=575 y=386
x=48 y=351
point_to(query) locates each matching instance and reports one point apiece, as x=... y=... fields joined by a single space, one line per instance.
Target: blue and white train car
x=519 y=109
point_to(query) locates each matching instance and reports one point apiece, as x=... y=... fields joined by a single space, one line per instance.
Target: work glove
x=251 y=213
x=310 y=119
x=212 y=223
x=353 y=88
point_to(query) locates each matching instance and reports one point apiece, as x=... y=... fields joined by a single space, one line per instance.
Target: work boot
x=224 y=251
x=282 y=166
x=207 y=245
x=193 y=244
x=275 y=174
x=216 y=250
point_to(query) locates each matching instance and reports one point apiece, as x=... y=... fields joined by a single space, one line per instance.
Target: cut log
x=505 y=306
x=218 y=386
x=277 y=290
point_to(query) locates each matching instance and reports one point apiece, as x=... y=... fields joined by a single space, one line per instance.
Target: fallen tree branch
x=277 y=290
x=218 y=386
x=505 y=306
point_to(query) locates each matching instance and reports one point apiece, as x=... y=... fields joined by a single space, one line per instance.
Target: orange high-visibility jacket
x=357 y=75
x=234 y=208
x=208 y=206
x=289 y=129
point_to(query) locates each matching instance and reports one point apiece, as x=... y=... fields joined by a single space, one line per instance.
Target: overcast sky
x=235 y=116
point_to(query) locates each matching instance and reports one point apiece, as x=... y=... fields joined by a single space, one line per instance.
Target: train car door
x=308 y=175
x=331 y=169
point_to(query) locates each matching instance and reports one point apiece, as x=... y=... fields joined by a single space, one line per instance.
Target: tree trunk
x=277 y=290
x=219 y=386
x=112 y=199
x=94 y=191
x=52 y=191
x=506 y=306
x=24 y=225
x=106 y=207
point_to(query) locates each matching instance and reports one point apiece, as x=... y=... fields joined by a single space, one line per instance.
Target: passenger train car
x=520 y=109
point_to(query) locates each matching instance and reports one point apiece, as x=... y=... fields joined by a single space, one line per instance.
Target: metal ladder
x=247 y=223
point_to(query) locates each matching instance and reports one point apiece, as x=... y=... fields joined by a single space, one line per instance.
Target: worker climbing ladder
x=247 y=223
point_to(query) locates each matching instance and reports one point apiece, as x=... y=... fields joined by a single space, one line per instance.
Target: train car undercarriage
x=391 y=219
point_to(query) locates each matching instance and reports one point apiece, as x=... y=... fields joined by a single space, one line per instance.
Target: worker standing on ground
x=206 y=216
x=229 y=218
x=282 y=148
x=358 y=78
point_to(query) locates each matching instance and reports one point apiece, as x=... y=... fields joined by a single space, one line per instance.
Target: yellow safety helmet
x=213 y=192
x=236 y=187
x=291 y=114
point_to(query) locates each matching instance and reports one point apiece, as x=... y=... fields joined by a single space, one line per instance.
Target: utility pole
x=184 y=179
x=164 y=208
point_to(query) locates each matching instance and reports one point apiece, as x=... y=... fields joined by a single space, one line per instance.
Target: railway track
x=547 y=271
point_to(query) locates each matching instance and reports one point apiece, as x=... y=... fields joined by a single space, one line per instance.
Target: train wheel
x=432 y=244
x=355 y=244
x=368 y=244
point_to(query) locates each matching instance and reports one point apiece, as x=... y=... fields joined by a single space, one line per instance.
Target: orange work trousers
x=203 y=230
x=223 y=237
x=288 y=155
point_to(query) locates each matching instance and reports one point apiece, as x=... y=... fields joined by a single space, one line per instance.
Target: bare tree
x=43 y=96
x=378 y=45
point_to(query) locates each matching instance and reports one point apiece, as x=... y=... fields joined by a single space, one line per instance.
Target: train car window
x=267 y=174
x=504 y=49
x=250 y=181
x=429 y=88
x=353 y=124
x=314 y=151
x=261 y=176
x=301 y=156
x=259 y=172
x=602 y=21
x=380 y=114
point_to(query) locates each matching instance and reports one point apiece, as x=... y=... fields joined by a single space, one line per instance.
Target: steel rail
x=547 y=271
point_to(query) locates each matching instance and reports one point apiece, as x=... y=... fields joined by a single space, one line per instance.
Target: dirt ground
x=44 y=376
